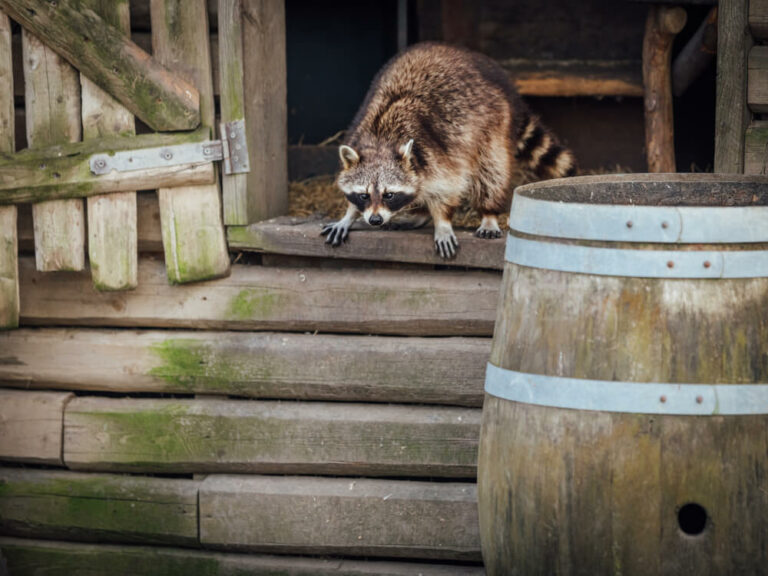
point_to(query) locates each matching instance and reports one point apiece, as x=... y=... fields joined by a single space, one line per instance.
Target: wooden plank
x=239 y=208
x=301 y=236
x=97 y=507
x=53 y=116
x=31 y=425
x=758 y=18
x=266 y=107
x=9 y=266
x=732 y=116
x=255 y=298
x=64 y=171
x=36 y=557
x=756 y=148
x=193 y=234
x=757 y=79
x=212 y=436
x=379 y=518
x=140 y=14
x=256 y=365
x=112 y=236
x=162 y=100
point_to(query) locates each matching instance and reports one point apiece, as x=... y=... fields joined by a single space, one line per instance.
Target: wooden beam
x=193 y=233
x=97 y=507
x=756 y=148
x=64 y=171
x=379 y=518
x=101 y=52
x=299 y=236
x=9 y=266
x=732 y=116
x=758 y=18
x=257 y=298
x=53 y=116
x=34 y=557
x=236 y=436
x=112 y=237
x=141 y=20
x=757 y=79
x=255 y=365
x=31 y=425
x=696 y=55
x=661 y=27
x=266 y=107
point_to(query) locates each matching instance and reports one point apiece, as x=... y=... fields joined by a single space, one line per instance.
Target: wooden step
x=258 y=365
x=36 y=557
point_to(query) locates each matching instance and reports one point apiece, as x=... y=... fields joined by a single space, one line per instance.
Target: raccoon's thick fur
x=439 y=124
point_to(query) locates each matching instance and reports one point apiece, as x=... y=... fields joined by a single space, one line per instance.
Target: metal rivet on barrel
x=707 y=263
x=670 y=264
x=663 y=399
x=166 y=154
x=699 y=399
x=665 y=224
x=629 y=224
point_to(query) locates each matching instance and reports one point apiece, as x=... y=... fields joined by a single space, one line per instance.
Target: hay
x=319 y=197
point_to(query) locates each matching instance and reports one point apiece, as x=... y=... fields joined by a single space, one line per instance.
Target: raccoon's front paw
x=489 y=228
x=336 y=233
x=446 y=244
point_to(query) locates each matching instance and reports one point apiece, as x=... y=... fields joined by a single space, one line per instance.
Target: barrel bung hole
x=692 y=519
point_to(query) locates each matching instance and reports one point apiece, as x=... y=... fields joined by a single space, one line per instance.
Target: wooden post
x=661 y=26
x=112 y=237
x=696 y=55
x=52 y=95
x=732 y=116
x=9 y=263
x=193 y=234
x=266 y=116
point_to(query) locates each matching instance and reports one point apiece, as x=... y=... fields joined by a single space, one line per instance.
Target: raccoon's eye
x=364 y=196
x=388 y=195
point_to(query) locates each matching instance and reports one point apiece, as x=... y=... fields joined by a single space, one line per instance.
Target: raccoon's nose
x=375 y=220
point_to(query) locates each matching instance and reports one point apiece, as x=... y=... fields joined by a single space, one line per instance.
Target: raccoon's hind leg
x=489 y=227
x=489 y=197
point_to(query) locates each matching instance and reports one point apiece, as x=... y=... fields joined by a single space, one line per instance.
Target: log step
x=257 y=365
x=38 y=557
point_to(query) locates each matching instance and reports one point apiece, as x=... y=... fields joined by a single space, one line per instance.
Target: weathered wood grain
x=141 y=20
x=193 y=233
x=35 y=557
x=139 y=82
x=756 y=148
x=758 y=18
x=31 y=426
x=97 y=507
x=257 y=298
x=266 y=107
x=112 y=237
x=53 y=116
x=257 y=365
x=9 y=267
x=378 y=518
x=757 y=79
x=300 y=236
x=211 y=436
x=64 y=171
x=732 y=115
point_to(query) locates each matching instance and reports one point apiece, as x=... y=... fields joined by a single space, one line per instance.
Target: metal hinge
x=232 y=149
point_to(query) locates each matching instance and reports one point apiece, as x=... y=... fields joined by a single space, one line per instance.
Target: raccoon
x=440 y=124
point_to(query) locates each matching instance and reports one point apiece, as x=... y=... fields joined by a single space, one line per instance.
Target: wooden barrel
x=625 y=425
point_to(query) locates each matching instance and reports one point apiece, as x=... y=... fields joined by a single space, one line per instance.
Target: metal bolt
x=663 y=399
x=166 y=154
x=665 y=225
x=629 y=224
x=699 y=399
x=206 y=151
x=101 y=163
x=707 y=264
x=670 y=264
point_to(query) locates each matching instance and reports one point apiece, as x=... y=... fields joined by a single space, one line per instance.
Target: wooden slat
x=193 y=233
x=757 y=79
x=112 y=237
x=31 y=425
x=53 y=116
x=300 y=236
x=257 y=298
x=37 y=557
x=758 y=18
x=179 y=436
x=756 y=148
x=98 y=507
x=732 y=115
x=9 y=267
x=140 y=17
x=266 y=107
x=163 y=100
x=379 y=518
x=238 y=206
x=64 y=171
x=259 y=365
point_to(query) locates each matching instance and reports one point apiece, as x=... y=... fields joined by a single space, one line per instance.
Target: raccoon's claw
x=446 y=245
x=488 y=232
x=336 y=233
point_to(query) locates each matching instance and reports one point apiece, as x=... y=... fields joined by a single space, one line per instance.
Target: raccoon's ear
x=405 y=151
x=349 y=157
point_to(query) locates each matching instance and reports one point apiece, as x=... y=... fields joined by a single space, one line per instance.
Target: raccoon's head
x=378 y=181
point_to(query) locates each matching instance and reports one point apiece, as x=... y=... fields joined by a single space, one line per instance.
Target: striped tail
x=541 y=153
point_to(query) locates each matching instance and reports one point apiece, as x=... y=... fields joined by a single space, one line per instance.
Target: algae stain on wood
x=253 y=304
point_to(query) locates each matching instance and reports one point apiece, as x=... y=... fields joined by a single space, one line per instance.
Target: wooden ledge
x=301 y=237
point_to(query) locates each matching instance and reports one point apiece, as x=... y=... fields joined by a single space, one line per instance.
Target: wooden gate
x=84 y=80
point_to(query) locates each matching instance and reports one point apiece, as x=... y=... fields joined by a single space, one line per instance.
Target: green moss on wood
x=253 y=303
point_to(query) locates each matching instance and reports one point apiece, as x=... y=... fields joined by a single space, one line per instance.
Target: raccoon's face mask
x=379 y=184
